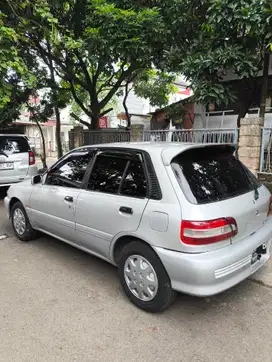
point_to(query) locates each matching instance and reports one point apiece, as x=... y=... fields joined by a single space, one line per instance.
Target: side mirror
x=36 y=179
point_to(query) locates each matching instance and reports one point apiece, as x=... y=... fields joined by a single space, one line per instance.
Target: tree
x=12 y=68
x=95 y=45
x=155 y=85
x=230 y=36
x=20 y=18
x=17 y=96
x=39 y=112
x=78 y=114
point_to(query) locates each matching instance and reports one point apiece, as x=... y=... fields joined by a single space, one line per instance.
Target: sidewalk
x=49 y=160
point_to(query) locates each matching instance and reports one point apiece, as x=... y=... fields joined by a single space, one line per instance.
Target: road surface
x=60 y=304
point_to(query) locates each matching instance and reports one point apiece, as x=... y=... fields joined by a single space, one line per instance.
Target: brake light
x=207 y=232
x=31 y=158
x=270 y=207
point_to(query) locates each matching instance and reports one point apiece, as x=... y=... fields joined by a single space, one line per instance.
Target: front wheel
x=21 y=223
x=144 y=278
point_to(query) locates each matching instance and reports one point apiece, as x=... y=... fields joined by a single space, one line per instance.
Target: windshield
x=211 y=174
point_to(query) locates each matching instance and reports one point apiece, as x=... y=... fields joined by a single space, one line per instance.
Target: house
x=140 y=109
x=212 y=116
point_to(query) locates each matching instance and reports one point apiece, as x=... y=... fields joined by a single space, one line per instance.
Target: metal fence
x=229 y=117
x=100 y=136
x=193 y=135
x=105 y=136
x=187 y=136
x=266 y=150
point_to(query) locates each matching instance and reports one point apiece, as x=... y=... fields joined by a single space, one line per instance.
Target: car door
x=113 y=201
x=53 y=202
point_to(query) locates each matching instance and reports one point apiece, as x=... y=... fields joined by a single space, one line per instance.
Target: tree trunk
x=243 y=110
x=264 y=85
x=88 y=125
x=58 y=135
x=95 y=122
x=56 y=108
x=127 y=90
x=241 y=115
x=43 y=156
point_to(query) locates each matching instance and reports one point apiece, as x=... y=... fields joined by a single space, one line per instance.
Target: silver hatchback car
x=17 y=160
x=173 y=217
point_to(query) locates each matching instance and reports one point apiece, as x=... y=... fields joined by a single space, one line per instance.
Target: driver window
x=71 y=170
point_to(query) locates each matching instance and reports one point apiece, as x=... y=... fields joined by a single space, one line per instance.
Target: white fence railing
x=266 y=150
x=193 y=135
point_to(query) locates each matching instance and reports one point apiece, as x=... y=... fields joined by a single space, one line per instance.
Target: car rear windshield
x=13 y=144
x=211 y=174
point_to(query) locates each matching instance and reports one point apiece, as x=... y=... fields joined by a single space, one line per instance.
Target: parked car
x=17 y=160
x=172 y=217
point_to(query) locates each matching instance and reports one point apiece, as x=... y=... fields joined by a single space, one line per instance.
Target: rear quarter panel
x=22 y=192
x=160 y=225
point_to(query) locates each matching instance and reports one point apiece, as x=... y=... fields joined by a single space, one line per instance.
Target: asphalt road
x=60 y=304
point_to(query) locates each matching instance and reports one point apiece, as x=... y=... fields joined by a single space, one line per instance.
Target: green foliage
x=11 y=110
x=12 y=64
x=156 y=86
x=94 y=45
x=42 y=111
x=229 y=36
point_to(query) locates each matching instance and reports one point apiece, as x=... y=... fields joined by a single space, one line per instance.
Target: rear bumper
x=210 y=273
x=11 y=180
x=15 y=180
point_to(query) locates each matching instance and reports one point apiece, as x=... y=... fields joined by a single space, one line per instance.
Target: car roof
x=168 y=150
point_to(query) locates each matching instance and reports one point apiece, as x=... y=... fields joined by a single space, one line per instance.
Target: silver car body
x=14 y=159
x=94 y=223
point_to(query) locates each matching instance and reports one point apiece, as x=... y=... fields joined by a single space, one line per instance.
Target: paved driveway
x=60 y=304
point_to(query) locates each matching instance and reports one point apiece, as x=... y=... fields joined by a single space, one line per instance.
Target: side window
x=107 y=174
x=135 y=182
x=71 y=170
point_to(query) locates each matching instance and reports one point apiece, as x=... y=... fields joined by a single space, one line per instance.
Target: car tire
x=21 y=224
x=151 y=290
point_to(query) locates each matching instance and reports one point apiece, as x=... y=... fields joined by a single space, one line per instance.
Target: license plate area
x=6 y=166
x=258 y=253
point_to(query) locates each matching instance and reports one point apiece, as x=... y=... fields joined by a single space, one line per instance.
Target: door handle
x=69 y=198
x=126 y=210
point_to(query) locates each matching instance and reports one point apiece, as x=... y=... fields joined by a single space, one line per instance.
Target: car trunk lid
x=14 y=158
x=217 y=186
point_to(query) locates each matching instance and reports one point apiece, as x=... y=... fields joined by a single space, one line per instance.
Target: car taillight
x=270 y=207
x=207 y=232
x=31 y=158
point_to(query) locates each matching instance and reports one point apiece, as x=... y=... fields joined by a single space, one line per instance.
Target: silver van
x=17 y=160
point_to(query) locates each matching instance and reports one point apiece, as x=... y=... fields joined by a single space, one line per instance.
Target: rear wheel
x=144 y=278
x=21 y=223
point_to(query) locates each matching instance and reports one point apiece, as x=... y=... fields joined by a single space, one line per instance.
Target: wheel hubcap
x=19 y=221
x=141 y=277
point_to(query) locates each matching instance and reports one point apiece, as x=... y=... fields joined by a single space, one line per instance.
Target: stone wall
x=137 y=132
x=249 y=146
x=78 y=136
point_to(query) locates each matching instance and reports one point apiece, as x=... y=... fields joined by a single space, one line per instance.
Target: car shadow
x=91 y=268
x=3 y=192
